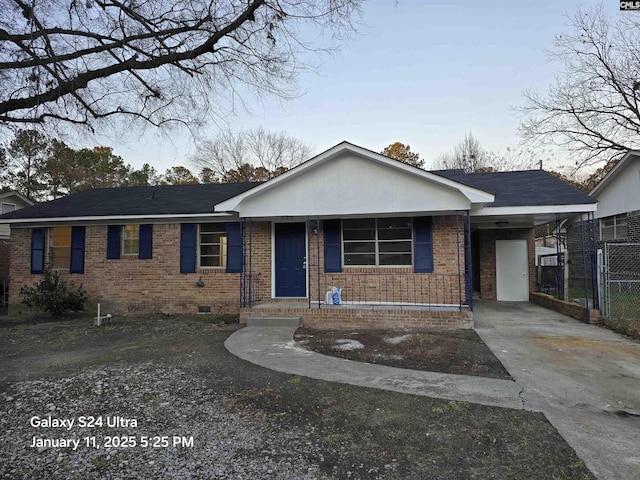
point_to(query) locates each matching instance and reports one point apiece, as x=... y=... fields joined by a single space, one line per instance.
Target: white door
x=512 y=271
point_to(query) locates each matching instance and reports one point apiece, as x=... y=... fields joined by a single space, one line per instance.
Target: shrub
x=54 y=295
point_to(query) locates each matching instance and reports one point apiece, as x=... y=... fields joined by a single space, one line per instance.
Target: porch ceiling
x=525 y=217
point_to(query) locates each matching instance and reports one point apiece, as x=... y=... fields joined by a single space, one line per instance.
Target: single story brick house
x=406 y=247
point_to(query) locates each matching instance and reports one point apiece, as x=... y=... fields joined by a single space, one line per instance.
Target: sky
x=421 y=72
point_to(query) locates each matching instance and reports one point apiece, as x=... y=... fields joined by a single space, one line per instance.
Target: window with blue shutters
x=131 y=240
x=63 y=246
x=211 y=245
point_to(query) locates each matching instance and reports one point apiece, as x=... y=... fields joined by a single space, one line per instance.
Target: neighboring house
x=618 y=196
x=615 y=233
x=407 y=247
x=10 y=201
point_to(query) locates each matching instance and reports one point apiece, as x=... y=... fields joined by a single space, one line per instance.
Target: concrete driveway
x=585 y=379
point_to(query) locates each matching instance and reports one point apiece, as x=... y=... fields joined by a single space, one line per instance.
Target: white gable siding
x=353 y=185
x=622 y=194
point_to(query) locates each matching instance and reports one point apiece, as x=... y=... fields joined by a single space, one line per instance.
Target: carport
x=502 y=233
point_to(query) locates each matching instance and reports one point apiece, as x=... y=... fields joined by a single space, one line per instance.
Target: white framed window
x=60 y=247
x=130 y=239
x=7 y=207
x=212 y=245
x=377 y=242
x=614 y=228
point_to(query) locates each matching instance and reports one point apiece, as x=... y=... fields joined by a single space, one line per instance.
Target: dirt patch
x=175 y=376
x=459 y=352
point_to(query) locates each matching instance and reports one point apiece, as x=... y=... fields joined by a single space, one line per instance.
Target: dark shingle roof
x=159 y=200
x=525 y=188
x=514 y=189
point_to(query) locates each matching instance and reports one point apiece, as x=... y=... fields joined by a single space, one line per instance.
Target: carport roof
x=523 y=188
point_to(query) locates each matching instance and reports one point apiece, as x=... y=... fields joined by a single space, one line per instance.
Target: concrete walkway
x=586 y=380
x=274 y=348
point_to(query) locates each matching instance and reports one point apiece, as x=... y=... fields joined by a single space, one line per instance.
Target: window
x=7 y=207
x=213 y=245
x=60 y=247
x=377 y=241
x=130 y=239
x=614 y=228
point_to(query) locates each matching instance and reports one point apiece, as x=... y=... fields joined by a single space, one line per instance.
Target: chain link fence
x=622 y=281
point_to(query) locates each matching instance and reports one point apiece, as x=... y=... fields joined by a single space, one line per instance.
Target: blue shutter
x=146 y=242
x=77 y=250
x=37 y=250
x=113 y=241
x=422 y=245
x=234 y=247
x=188 y=247
x=332 y=246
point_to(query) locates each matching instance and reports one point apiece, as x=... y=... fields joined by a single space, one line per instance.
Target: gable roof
x=630 y=156
x=522 y=188
x=324 y=189
x=7 y=193
x=163 y=200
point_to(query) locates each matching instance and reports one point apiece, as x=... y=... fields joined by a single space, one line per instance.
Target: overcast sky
x=421 y=72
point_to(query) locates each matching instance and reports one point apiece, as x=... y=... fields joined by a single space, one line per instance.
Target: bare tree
x=160 y=61
x=467 y=155
x=249 y=155
x=470 y=156
x=592 y=107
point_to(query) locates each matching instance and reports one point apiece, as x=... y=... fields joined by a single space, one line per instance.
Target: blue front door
x=290 y=252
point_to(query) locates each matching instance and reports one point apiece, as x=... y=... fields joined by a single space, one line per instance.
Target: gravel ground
x=164 y=402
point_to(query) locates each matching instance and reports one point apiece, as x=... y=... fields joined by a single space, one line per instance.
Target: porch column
x=469 y=266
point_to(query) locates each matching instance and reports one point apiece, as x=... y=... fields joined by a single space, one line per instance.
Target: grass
x=362 y=433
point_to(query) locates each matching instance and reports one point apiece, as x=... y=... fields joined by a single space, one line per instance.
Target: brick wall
x=487 y=240
x=130 y=285
x=567 y=308
x=346 y=317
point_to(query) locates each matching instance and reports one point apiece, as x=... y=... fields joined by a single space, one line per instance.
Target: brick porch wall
x=132 y=286
x=488 y=258
x=370 y=318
